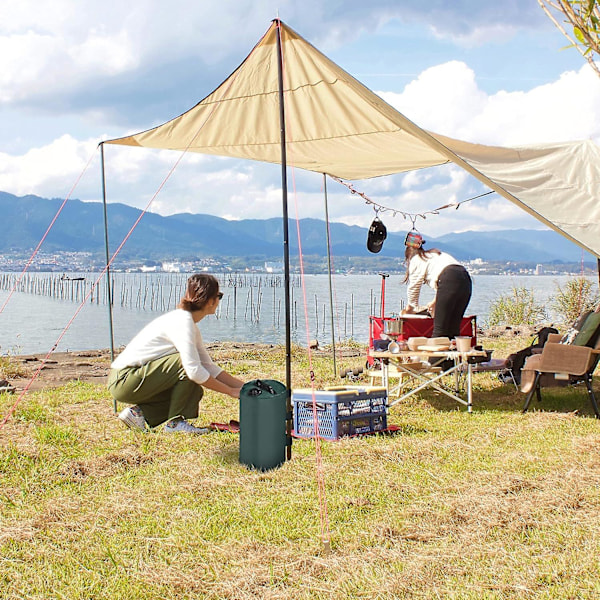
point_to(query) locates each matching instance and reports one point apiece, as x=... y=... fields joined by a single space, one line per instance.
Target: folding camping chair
x=563 y=363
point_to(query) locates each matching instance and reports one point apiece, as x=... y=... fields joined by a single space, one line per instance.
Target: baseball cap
x=377 y=233
x=414 y=239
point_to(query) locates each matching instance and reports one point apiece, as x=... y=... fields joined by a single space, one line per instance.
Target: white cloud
x=447 y=100
x=59 y=48
x=477 y=36
x=48 y=62
x=49 y=171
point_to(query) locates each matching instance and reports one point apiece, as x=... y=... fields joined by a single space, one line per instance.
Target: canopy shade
x=336 y=125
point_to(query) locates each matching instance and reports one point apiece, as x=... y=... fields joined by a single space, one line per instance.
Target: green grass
x=495 y=504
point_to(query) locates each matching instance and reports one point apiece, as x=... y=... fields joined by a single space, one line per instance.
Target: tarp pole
x=108 y=286
x=329 y=272
x=286 y=244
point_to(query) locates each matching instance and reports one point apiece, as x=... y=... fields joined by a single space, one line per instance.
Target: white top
x=172 y=332
x=426 y=270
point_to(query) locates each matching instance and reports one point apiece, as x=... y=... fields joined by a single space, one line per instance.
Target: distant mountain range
x=80 y=228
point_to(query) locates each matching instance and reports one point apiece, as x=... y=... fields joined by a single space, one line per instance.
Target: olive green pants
x=160 y=388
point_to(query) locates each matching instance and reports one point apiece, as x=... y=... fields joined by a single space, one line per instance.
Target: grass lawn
x=496 y=504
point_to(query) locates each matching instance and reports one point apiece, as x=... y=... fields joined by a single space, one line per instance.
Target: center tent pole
x=108 y=286
x=329 y=272
x=286 y=246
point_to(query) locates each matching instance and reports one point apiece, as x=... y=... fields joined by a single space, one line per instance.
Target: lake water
x=33 y=323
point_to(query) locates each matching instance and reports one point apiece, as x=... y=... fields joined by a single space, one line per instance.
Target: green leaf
x=578 y=35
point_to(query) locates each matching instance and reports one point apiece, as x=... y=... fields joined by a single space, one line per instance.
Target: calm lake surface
x=252 y=309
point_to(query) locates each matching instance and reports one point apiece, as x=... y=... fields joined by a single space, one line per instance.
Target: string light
x=379 y=208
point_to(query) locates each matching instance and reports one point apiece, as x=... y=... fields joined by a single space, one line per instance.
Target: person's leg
x=462 y=299
x=451 y=301
x=160 y=388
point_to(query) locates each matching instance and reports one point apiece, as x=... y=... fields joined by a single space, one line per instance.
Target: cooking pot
x=391 y=326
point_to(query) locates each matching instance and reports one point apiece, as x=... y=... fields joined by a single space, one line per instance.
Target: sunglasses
x=220 y=295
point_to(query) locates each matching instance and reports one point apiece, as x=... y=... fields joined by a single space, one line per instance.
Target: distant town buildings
x=273 y=267
x=86 y=262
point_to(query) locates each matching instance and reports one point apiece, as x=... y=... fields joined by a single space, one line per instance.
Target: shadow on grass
x=229 y=454
x=504 y=398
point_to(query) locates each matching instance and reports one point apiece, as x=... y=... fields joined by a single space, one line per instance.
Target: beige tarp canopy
x=336 y=125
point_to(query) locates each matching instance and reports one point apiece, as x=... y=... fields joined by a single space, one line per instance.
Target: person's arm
x=182 y=333
x=228 y=379
x=217 y=385
x=219 y=380
x=416 y=277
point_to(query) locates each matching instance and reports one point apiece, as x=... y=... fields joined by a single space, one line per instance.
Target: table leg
x=469 y=387
x=385 y=376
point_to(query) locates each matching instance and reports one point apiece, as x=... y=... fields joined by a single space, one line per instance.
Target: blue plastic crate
x=341 y=411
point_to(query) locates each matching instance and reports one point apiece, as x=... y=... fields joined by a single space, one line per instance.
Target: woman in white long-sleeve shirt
x=163 y=370
x=443 y=273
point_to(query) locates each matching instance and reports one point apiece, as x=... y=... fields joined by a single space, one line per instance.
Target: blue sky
x=74 y=73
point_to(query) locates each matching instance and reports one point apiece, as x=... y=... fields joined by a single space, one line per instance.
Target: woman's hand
x=233 y=383
x=234 y=392
x=431 y=308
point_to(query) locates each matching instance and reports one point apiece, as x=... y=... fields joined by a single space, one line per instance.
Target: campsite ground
x=496 y=504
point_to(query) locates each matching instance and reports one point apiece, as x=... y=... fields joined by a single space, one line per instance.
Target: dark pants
x=453 y=294
x=160 y=388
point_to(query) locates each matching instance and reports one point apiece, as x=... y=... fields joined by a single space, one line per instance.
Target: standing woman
x=163 y=370
x=446 y=276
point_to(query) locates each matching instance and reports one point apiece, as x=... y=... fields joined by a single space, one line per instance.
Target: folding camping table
x=416 y=364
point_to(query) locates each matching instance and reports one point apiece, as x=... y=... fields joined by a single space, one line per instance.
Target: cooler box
x=341 y=411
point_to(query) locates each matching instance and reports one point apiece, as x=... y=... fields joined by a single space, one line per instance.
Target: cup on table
x=463 y=343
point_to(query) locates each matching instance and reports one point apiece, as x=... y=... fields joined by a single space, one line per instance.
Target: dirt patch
x=91 y=366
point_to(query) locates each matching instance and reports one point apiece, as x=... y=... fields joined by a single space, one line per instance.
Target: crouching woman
x=162 y=372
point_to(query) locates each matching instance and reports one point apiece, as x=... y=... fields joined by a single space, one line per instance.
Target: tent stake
x=329 y=272
x=286 y=245
x=108 y=290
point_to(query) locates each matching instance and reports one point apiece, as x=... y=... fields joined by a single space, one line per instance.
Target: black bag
x=516 y=360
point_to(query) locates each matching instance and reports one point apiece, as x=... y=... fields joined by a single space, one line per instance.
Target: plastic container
x=341 y=411
x=463 y=343
x=263 y=439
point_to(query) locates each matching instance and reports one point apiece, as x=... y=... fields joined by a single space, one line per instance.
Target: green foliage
x=583 y=18
x=517 y=307
x=56 y=435
x=577 y=296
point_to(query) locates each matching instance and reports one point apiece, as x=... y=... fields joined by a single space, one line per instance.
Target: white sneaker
x=133 y=417
x=182 y=426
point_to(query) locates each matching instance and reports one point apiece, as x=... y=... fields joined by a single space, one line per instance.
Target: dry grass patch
x=490 y=505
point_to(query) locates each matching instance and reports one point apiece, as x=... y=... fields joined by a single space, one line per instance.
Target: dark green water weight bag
x=263 y=438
